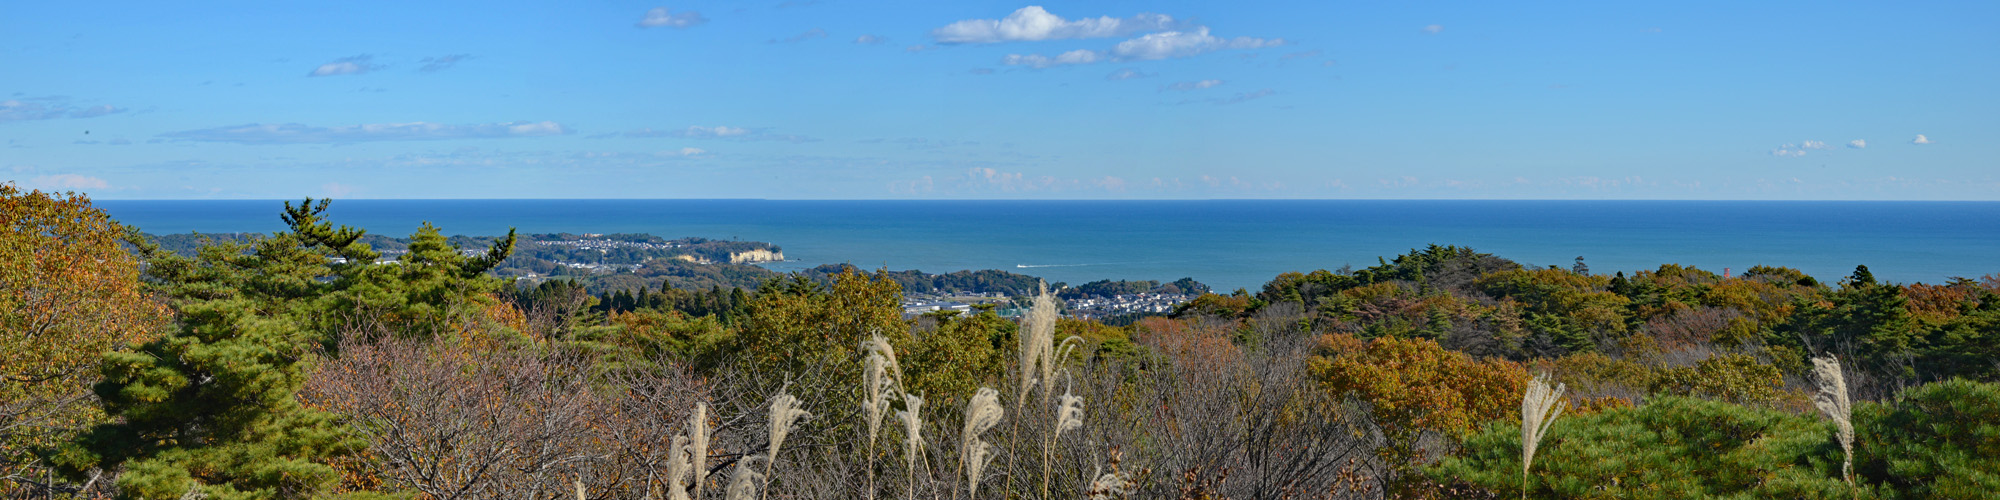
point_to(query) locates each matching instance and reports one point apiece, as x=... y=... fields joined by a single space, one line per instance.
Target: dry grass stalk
x=1539 y=409
x=1036 y=342
x=579 y=489
x=1069 y=416
x=981 y=415
x=785 y=412
x=743 y=482
x=876 y=388
x=679 y=465
x=698 y=443
x=913 y=435
x=1832 y=400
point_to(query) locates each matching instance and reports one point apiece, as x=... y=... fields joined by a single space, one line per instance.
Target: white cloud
x=660 y=16
x=1163 y=45
x=1169 y=44
x=1032 y=23
x=869 y=39
x=49 y=108
x=1196 y=85
x=66 y=181
x=716 y=131
x=685 y=152
x=293 y=133
x=1920 y=140
x=1079 y=56
x=351 y=65
x=1789 y=150
x=1127 y=74
x=1813 y=145
x=1857 y=143
x=1433 y=29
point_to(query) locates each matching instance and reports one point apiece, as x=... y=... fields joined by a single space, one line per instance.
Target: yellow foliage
x=68 y=293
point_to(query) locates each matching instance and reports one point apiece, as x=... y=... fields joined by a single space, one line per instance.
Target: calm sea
x=1227 y=244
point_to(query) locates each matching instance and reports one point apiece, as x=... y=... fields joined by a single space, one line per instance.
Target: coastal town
x=1081 y=308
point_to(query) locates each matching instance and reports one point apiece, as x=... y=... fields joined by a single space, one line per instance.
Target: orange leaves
x=1415 y=386
x=68 y=293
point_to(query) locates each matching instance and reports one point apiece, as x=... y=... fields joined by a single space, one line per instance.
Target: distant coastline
x=1228 y=244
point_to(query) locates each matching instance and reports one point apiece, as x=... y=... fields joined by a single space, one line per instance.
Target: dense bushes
x=291 y=375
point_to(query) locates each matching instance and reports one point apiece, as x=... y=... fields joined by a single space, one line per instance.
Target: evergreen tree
x=210 y=410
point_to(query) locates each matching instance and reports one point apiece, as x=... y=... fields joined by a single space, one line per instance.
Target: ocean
x=1227 y=244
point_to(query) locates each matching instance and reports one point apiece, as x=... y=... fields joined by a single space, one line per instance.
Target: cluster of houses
x=603 y=244
x=1147 y=303
x=1095 y=307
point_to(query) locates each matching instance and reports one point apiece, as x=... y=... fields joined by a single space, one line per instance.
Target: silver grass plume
x=1539 y=409
x=1110 y=485
x=913 y=435
x=1035 y=341
x=1069 y=416
x=981 y=415
x=785 y=412
x=1051 y=358
x=698 y=443
x=743 y=482
x=1832 y=400
x=877 y=385
x=679 y=465
x=579 y=489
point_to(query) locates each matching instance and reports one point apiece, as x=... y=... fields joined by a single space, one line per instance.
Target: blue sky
x=870 y=100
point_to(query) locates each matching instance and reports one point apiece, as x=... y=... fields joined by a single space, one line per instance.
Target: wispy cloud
x=1127 y=74
x=1032 y=23
x=869 y=39
x=1789 y=150
x=718 y=132
x=1920 y=140
x=1079 y=56
x=66 y=181
x=1153 y=46
x=351 y=65
x=1857 y=144
x=440 y=63
x=1170 y=44
x=1195 y=85
x=49 y=108
x=1433 y=29
x=662 y=17
x=807 y=35
x=294 y=133
x=1814 y=145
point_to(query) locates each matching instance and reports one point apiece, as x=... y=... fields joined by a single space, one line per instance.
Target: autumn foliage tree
x=1417 y=391
x=68 y=292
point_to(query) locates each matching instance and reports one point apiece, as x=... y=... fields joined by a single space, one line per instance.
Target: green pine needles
x=210 y=410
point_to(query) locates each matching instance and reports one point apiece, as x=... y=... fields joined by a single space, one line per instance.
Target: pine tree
x=210 y=410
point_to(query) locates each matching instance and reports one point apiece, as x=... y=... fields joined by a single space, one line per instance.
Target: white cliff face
x=754 y=256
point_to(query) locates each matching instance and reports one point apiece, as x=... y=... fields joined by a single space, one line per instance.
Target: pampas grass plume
x=1035 y=342
x=981 y=415
x=785 y=412
x=743 y=483
x=698 y=442
x=1539 y=409
x=1832 y=400
x=913 y=435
